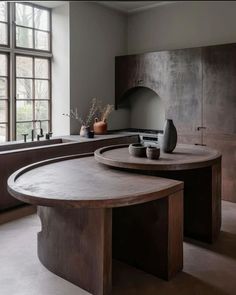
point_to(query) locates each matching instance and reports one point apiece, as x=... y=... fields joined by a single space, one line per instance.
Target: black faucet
x=25 y=136
x=48 y=135
x=41 y=130
x=32 y=135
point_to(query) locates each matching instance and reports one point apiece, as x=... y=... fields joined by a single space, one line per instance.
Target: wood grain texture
x=17 y=213
x=76 y=244
x=12 y=160
x=150 y=236
x=219 y=89
x=196 y=167
x=184 y=157
x=175 y=76
x=79 y=181
x=202 y=200
x=198 y=88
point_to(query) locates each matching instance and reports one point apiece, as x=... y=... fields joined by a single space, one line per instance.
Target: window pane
x=24 y=15
x=3 y=34
x=41 y=68
x=3 y=65
x=24 y=66
x=24 y=110
x=41 y=40
x=41 y=110
x=3 y=11
x=24 y=89
x=3 y=88
x=41 y=89
x=22 y=128
x=24 y=37
x=3 y=111
x=3 y=132
x=41 y=19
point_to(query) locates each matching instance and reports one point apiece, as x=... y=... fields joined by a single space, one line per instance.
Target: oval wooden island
x=91 y=213
x=199 y=167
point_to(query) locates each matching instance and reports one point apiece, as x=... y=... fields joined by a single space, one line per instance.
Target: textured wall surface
x=175 y=76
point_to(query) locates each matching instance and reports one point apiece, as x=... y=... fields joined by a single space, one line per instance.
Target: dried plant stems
x=92 y=112
x=75 y=116
x=106 y=112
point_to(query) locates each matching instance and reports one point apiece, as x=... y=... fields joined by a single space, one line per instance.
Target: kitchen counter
x=199 y=167
x=91 y=214
x=14 y=155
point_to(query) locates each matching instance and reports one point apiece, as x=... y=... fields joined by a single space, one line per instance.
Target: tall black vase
x=170 y=137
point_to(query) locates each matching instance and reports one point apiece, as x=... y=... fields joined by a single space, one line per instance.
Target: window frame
x=33 y=28
x=12 y=51
x=7 y=23
x=7 y=123
x=33 y=100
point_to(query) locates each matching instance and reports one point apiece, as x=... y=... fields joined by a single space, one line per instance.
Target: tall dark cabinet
x=198 y=89
x=219 y=109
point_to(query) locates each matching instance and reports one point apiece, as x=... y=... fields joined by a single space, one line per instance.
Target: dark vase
x=169 y=137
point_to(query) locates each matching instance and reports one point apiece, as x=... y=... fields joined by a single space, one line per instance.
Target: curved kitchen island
x=91 y=213
x=199 y=167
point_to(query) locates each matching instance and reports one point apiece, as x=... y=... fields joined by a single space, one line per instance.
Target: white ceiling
x=124 y=6
x=133 y=6
x=50 y=4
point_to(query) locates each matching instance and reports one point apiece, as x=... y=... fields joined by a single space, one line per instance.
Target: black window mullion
x=33 y=92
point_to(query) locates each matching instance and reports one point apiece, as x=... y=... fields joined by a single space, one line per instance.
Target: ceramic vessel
x=137 y=150
x=100 y=127
x=153 y=153
x=160 y=139
x=169 y=140
x=84 y=131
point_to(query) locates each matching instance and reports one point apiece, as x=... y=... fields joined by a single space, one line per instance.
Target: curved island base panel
x=200 y=170
x=202 y=201
x=79 y=244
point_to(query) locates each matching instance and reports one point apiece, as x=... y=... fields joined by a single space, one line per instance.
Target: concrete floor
x=208 y=269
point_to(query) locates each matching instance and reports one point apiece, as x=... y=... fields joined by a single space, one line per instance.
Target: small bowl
x=137 y=150
x=153 y=153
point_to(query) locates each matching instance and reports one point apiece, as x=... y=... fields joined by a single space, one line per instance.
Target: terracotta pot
x=100 y=127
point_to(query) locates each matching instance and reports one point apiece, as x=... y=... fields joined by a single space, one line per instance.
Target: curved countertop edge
x=159 y=167
x=128 y=200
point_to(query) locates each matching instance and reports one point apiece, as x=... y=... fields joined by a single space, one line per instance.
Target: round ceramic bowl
x=137 y=150
x=153 y=153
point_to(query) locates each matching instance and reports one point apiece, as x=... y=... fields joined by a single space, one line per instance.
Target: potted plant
x=85 y=130
x=100 y=124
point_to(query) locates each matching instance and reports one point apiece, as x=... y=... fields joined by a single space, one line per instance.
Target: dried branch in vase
x=106 y=112
x=88 y=120
x=92 y=112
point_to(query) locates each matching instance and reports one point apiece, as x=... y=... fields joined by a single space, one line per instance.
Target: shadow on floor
x=130 y=281
x=225 y=244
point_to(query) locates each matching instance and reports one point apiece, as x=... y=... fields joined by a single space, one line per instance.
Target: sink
x=25 y=145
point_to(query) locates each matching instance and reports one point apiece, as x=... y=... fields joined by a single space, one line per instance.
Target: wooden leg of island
x=75 y=244
x=150 y=236
x=202 y=201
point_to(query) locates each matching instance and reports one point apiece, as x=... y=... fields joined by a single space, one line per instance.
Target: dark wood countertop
x=184 y=157
x=79 y=181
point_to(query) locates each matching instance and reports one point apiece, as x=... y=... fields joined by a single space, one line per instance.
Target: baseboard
x=17 y=213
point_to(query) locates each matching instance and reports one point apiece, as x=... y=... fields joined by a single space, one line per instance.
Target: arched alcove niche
x=147 y=110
